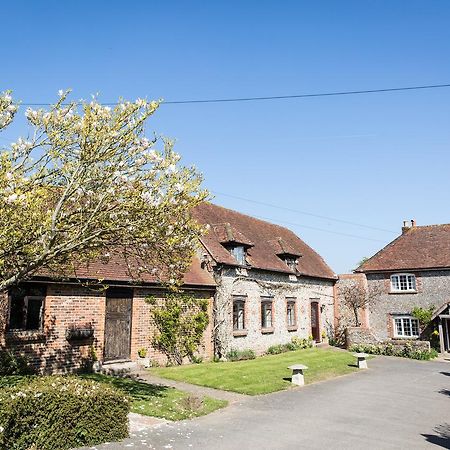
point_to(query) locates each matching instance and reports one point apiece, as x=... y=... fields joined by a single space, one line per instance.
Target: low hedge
x=56 y=413
x=240 y=355
x=405 y=350
x=295 y=344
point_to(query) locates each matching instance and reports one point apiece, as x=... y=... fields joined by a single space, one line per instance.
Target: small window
x=291 y=263
x=239 y=254
x=239 y=314
x=402 y=282
x=26 y=310
x=290 y=313
x=266 y=314
x=406 y=326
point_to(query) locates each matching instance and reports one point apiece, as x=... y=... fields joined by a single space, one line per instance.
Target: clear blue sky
x=372 y=159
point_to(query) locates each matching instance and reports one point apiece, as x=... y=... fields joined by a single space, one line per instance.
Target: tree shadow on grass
x=442 y=438
x=135 y=389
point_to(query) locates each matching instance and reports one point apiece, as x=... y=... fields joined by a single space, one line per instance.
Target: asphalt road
x=395 y=404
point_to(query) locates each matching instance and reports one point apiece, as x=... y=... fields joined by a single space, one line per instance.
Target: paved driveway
x=396 y=404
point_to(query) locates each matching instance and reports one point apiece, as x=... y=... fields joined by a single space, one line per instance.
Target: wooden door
x=118 y=324
x=315 y=323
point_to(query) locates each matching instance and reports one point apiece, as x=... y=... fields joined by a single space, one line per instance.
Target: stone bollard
x=297 y=374
x=361 y=360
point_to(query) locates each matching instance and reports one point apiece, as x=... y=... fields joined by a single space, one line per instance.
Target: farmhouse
x=271 y=286
x=263 y=283
x=412 y=271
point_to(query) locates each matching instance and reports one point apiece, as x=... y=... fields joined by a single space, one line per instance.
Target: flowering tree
x=88 y=184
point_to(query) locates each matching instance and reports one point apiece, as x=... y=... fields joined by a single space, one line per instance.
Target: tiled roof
x=420 y=247
x=116 y=270
x=266 y=239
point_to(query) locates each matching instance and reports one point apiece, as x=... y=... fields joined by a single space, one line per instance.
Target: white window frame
x=411 y=282
x=403 y=319
x=291 y=301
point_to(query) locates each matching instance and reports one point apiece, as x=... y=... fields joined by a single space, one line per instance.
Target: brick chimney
x=407 y=225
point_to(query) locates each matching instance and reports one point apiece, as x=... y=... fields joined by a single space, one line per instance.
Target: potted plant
x=143 y=360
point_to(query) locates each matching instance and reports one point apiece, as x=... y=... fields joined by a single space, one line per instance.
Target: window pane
x=291 y=314
x=411 y=282
x=239 y=254
x=238 y=315
x=398 y=327
x=403 y=283
x=395 y=283
x=407 y=327
x=34 y=308
x=266 y=315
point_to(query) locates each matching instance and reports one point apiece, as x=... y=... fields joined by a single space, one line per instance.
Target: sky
x=342 y=172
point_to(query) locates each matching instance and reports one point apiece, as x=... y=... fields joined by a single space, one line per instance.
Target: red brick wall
x=74 y=305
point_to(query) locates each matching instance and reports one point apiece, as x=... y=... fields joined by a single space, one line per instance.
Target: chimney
x=406 y=226
x=413 y=223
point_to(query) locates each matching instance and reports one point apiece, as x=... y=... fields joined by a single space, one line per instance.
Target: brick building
x=411 y=271
x=264 y=284
x=271 y=286
x=60 y=325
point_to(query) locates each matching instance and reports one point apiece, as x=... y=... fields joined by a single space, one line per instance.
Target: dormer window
x=291 y=262
x=239 y=254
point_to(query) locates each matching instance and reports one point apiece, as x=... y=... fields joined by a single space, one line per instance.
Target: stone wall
x=256 y=284
x=67 y=306
x=359 y=335
x=433 y=289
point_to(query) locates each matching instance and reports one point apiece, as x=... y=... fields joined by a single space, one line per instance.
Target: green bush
x=240 y=355
x=56 y=413
x=406 y=350
x=301 y=343
x=11 y=364
x=276 y=349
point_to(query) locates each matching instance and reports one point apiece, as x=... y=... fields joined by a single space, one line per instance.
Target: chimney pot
x=406 y=226
x=413 y=223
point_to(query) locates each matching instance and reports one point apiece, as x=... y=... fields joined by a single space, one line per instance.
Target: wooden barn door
x=118 y=324
x=315 y=322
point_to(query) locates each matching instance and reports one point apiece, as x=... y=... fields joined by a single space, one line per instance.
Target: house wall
x=268 y=284
x=67 y=305
x=433 y=289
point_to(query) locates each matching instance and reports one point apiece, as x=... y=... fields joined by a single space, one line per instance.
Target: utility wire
x=305 y=213
x=282 y=97
x=320 y=229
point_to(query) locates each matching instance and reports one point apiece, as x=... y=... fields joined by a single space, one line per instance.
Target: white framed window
x=403 y=282
x=291 y=262
x=406 y=327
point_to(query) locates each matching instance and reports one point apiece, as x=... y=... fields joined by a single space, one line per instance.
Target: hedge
x=405 y=350
x=57 y=413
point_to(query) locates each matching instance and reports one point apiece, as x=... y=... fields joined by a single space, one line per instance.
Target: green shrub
x=301 y=343
x=240 y=355
x=406 y=350
x=11 y=364
x=56 y=413
x=276 y=349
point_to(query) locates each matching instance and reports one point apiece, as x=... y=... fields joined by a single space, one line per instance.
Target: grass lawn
x=264 y=374
x=150 y=400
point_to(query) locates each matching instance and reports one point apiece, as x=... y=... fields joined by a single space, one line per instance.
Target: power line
x=282 y=97
x=305 y=213
x=320 y=229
